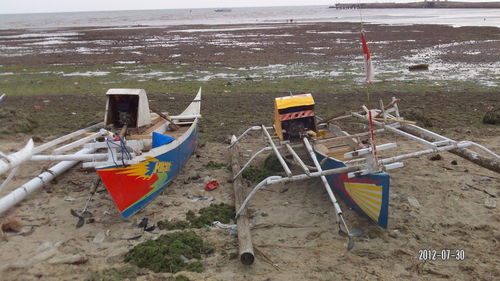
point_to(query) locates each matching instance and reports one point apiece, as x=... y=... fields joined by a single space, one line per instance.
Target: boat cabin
x=127 y=107
x=294 y=116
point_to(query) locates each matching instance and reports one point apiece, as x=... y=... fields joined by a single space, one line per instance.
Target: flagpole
x=369 y=77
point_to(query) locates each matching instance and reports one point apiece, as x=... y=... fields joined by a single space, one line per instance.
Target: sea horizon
x=249 y=15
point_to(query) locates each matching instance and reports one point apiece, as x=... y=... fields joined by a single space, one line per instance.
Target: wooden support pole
x=465 y=153
x=246 y=253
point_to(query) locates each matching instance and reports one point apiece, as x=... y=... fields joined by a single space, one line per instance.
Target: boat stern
x=368 y=194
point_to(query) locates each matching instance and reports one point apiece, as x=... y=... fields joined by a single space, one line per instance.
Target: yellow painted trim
x=366 y=186
x=366 y=208
x=375 y=200
x=292 y=101
x=367 y=196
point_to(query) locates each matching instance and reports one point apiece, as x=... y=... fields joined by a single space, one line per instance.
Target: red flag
x=370 y=73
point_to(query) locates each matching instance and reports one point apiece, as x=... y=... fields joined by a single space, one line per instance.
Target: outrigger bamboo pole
x=71 y=157
x=297 y=159
x=278 y=179
x=278 y=155
x=338 y=211
x=64 y=138
x=246 y=253
x=465 y=153
x=13 y=160
x=21 y=192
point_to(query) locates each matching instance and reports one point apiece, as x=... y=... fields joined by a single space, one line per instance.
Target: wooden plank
x=155 y=126
x=246 y=253
x=339 y=151
x=178 y=133
x=139 y=137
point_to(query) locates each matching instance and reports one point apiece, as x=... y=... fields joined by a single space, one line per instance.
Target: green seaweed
x=173 y=225
x=215 y=212
x=15 y=121
x=181 y=277
x=419 y=116
x=214 y=165
x=168 y=253
x=271 y=166
x=492 y=116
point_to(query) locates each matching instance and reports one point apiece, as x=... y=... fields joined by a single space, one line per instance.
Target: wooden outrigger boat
x=144 y=151
x=344 y=163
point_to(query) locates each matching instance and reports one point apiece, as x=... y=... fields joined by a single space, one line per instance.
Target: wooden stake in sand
x=246 y=254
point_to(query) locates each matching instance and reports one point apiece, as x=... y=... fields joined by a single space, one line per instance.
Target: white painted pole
x=254 y=128
x=399 y=132
x=71 y=157
x=10 y=161
x=21 y=192
x=297 y=159
x=267 y=148
x=338 y=211
x=64 y=138
x=80 y=142
x=277 y=179
x=278 y=154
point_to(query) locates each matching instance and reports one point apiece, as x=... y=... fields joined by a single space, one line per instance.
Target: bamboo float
x=278 y=179
x=246 y=253
x=21 y=192
x=278 y=155
x=395 y=120
x=465 y=153
x=13 y=160
x=67 y=137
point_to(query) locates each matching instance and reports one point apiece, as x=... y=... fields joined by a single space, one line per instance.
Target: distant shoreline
x=423 y=4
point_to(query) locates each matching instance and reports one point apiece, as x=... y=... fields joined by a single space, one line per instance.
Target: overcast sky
x=40 y=6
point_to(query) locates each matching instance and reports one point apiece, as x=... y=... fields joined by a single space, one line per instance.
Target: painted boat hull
x=134 y=186
x=368 y=195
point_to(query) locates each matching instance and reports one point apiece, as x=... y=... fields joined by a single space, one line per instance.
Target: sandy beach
x=448 y=204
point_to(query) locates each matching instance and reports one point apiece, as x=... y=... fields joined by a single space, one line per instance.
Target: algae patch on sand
x=171 y=252
x=214 y=165
x=271 y=167
x=215 y=212
x=16 y=122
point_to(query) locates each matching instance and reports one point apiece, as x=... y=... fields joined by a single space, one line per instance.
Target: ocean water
x=454 y=17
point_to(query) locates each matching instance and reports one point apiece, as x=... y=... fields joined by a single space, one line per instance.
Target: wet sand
x=243 y=45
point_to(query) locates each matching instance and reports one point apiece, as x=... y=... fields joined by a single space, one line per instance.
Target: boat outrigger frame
x=389 y=120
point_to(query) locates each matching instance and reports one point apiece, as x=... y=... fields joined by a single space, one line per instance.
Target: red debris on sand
x=211 y=185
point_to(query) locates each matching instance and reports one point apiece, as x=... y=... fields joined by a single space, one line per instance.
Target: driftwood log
x=246 y=253
x=465 y=153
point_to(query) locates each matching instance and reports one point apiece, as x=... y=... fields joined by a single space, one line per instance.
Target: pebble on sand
x=490 y=203
x=69 y=259
x=413 y=202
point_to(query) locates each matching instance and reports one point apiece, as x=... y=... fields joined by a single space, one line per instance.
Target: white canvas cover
x=143 y=114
